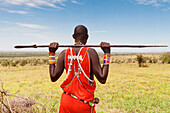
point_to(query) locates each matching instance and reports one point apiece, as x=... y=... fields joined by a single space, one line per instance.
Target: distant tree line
x=23 y=62
x=140 y=59
x=165 y=58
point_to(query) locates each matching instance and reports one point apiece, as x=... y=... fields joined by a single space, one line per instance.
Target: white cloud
x=146 y=2
x=14 y=11
x=19 y=12
x=153 y=2
x=75 y=2
x=33 y=3
x=32 y=26
x=166 y=0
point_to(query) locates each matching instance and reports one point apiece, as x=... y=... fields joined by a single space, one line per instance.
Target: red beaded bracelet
x=106 y=60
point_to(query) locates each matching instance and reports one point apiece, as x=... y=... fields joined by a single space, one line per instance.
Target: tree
x=166 y=58
x=140 y=60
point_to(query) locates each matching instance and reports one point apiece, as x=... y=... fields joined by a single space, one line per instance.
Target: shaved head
x=80 y=34
x=80 y=30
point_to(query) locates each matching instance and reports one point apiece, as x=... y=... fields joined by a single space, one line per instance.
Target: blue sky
x=114 y=21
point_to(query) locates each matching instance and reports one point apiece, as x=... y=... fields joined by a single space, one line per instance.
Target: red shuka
x=77 y=83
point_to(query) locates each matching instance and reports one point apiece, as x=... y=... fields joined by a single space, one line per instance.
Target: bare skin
x=100 y=73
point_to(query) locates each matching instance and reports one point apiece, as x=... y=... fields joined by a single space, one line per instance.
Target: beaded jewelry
x=79 y=43
x=106 y=60
x=51 y=58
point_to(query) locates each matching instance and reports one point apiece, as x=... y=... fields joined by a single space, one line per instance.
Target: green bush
x=150 y=60
x=23 y=62
x=5 y=63
x=17 y=61
x=34 y=62
x=166 y=58
x=146 y=59
x=154 y=60
x=13 y=64
x=117 y=61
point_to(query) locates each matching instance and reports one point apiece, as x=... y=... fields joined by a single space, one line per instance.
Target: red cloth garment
x=77 y=82
x=69 y=104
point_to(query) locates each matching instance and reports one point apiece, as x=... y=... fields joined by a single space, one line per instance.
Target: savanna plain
x=26 y=85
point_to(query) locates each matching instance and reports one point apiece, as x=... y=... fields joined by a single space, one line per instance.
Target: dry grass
x=128 y=87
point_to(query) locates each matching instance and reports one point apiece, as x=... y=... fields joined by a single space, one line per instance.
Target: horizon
x=99 y=52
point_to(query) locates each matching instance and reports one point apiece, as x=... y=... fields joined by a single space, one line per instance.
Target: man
x=81 y=65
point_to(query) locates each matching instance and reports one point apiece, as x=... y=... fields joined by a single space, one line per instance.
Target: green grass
x=128 y=87
x=133 y=89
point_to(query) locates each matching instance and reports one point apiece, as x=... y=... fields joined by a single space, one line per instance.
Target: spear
x=130 y=46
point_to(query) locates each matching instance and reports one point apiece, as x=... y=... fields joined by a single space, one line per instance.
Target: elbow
x=103 y=81
x=53 y=79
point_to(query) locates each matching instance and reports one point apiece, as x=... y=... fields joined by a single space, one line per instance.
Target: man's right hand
x=105 y=47
x=53 y=47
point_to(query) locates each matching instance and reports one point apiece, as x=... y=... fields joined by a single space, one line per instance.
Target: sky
x=26 y=22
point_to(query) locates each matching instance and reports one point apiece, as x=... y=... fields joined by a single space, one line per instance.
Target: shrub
x=45 y=61
x=154 y=60
x=123 y=61
x=5 y=63
x=13 y=64
x=134 y=61
x=117 y=61
x=17 y=62
x=166 y=58
x=150 y=60
x=34 y=62
x=146 y=59
x=23 y=62
x=140 y=60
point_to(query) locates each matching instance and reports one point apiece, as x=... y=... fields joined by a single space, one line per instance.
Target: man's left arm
x=55 y=70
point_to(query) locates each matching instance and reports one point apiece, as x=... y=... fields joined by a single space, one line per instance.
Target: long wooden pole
x=130 y=46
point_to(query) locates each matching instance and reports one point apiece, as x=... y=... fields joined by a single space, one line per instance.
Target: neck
x=79 y=43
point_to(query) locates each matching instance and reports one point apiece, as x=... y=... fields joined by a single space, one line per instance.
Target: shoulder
x=92 y=52
x=62 y=54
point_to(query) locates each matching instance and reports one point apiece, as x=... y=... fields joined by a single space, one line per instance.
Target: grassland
x=22 y=54
x=129 y=88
